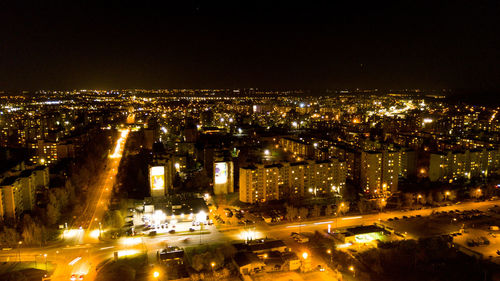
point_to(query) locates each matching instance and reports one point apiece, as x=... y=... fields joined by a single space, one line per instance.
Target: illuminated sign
x=157 y=177
x=220 y=173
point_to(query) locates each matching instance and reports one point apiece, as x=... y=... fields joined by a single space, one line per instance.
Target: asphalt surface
x=82 y=258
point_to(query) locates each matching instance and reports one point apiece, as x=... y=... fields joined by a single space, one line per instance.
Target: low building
x=248 y=263
x=267 y=246
x=171 y=255
x=361 y=234
x=260 y=247
x=281 y=261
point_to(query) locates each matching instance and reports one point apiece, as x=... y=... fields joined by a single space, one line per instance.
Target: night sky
x=352 y=44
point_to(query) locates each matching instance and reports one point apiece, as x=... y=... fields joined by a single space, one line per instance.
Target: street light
x=329 y=251
x=299 y=224
x=351 y=268
x=305 y=255
x=18 y=249
x=45 y=256
x=212 y=265
x=447 y=193
x=156 y=274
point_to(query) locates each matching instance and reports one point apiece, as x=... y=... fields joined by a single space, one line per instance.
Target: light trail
x=352 y=218
x=324 y=222
x=296 y=225
x=74 y=261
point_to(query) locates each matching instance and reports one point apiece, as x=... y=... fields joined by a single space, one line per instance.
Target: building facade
x=261 y=183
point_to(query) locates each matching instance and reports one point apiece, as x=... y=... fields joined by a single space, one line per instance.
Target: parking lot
x=439 y=223
x=226 y=216
x=473 y=229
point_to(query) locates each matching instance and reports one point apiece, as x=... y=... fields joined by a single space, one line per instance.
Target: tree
x=343 y=208
x=328 y=210
x=9 y=236
x=316 y=211
x=291 y=213
x=228 y=251
x=430 y=199
x=438 y=196
x=15 y=276
x=113 y=219
x=303 y=212
x=421 y=199
x=32 y=232
x=451 y=195
x=362 y=205
x=408 y=199
x=52 y=214
x=381 y=203
x=62 y=197
x=70 y=189
x=116 y=271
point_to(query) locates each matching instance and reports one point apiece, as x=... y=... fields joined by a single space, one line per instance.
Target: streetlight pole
x=351 y=268
x=45 y=256
x=19 y=249
x=201 y=225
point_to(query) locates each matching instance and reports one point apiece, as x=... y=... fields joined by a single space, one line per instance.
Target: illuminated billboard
x=157 y=177
x=220 y=173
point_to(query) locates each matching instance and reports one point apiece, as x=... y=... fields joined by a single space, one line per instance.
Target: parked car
x=485 y=240
x=301 y=238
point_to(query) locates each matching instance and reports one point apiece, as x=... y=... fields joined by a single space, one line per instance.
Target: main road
x=83 y=258
x=74 y=257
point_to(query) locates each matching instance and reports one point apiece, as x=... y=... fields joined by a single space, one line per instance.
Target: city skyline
x=431 y=46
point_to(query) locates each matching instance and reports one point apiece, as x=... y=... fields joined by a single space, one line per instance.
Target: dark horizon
x=280 y=45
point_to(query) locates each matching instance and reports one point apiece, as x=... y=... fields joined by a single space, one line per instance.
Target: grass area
x=202 y=248
x=17 y=266
x=123 y=269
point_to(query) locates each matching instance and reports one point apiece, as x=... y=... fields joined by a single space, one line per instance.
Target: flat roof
x=364 y=229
